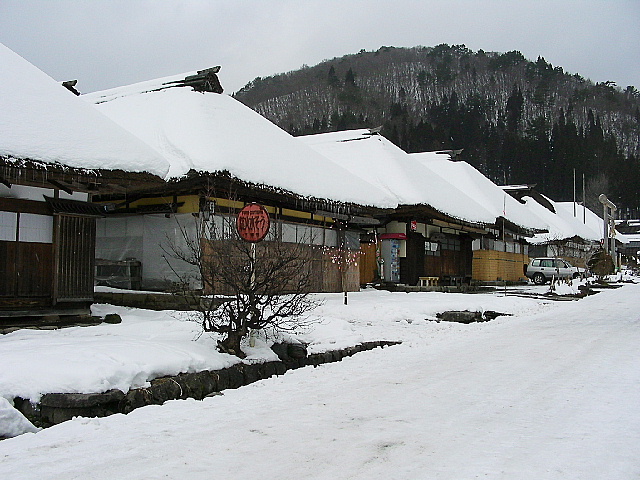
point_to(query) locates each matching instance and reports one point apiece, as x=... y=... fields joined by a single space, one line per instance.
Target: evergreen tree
x=349 y=78
x=514 y=109
x=332 y=78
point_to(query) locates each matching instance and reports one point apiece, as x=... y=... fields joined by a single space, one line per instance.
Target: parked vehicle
x=541 y=270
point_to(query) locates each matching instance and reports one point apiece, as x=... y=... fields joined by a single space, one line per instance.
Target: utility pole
x=574 y=193
x=584 y=202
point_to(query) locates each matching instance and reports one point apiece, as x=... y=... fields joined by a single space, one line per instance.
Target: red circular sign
x=253 y=222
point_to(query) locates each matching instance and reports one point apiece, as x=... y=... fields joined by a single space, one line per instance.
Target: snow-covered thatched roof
x=471 y=181
x=211 y=132
x=41 y=121
x=585 y=217
x=561 y=224
x=408 y=177
x=588 y=220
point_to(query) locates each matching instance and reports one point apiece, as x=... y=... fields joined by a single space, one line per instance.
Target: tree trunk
x=231 y=344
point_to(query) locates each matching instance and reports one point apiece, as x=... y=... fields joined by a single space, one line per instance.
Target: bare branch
x=265 y=286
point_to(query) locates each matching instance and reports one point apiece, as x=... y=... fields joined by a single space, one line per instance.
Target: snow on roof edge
x=41 y=121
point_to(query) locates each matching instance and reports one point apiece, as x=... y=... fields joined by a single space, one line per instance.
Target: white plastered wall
x=36 y=193
x=147 y=238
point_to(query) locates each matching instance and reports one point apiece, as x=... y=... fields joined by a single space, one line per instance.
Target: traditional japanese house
x=500 y=253
x=429 y=237
x=55 y=152
x=629 y=233
x=569 y=235
x=223 y=156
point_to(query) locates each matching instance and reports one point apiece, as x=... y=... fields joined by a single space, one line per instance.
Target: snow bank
x=144 y=346
x=13 y=422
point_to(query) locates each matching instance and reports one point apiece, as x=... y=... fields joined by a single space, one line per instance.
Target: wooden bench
x=428 y=281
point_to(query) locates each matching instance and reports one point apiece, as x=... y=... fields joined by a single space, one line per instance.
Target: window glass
x=352 y=240
x=488 y=243
x=451 y=243
x=317 y=236
x=304 y=234
x=288 y=233
x=220 y=227
x=547 y=263
x=330 y=238
x=8 y=225
x=35 y=228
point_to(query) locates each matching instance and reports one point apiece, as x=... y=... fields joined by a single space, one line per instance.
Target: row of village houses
x=109 y=178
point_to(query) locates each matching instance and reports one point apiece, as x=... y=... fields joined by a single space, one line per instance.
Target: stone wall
x=148 y=301
x=55 y=408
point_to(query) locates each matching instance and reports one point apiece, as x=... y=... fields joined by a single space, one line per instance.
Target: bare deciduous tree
x=246 y=286
x=596 y=186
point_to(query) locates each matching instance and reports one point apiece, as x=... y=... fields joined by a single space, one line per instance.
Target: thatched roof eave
x=35 y=173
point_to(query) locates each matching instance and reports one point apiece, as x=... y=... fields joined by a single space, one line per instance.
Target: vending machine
x=391 y=245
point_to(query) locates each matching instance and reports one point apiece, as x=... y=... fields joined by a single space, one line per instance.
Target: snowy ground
x=549 y=393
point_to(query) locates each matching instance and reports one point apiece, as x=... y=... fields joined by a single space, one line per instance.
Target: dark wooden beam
x=25 y=206
x=61 y=186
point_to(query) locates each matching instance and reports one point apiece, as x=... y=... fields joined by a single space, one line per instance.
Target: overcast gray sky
x=108 y=43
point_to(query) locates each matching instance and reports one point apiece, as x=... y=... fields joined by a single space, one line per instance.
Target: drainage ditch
x=55 y=408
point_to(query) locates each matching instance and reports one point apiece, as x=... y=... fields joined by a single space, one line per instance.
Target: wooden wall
x=492 y=265
x=39 y=275
x=326 y=275
x=331 y=279
x=27 y=269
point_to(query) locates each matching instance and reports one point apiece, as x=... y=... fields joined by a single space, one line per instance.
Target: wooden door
x=75 y=242
x=414 y=262
x=368 y=263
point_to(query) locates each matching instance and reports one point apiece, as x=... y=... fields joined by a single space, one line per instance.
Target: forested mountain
x=518 y=121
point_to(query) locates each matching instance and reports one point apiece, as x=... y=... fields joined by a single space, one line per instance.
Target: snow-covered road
x=552 y=394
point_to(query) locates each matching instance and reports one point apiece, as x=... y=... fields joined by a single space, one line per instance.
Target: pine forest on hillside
x=518 y=121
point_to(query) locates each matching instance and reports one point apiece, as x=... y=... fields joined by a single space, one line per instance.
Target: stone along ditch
x=55 y=408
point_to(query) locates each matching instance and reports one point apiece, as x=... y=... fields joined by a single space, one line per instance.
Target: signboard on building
x=253 y=223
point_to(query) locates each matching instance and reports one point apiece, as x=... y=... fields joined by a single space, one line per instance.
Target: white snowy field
x=549 y=393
